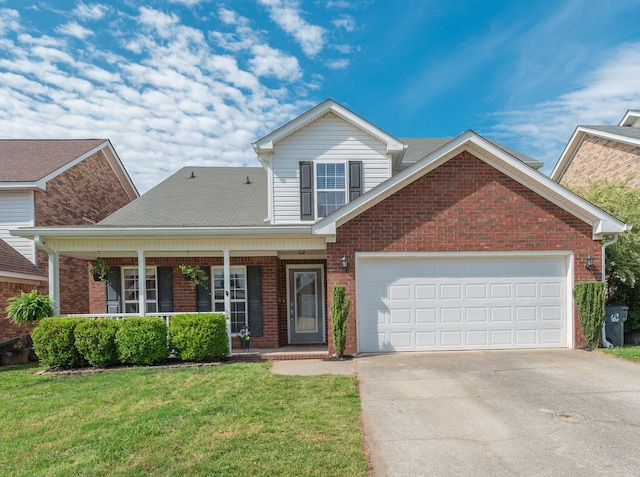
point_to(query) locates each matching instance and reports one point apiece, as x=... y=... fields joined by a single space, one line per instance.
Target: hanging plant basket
x=100 y=271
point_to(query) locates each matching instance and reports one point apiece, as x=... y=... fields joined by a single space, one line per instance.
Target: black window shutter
x=355 y=179
x=165 y=289
x=203 y=292
x=112 y=290
x=254 y=299
x=306 y=190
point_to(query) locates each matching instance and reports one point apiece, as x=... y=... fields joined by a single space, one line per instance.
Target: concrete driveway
x=501 y=413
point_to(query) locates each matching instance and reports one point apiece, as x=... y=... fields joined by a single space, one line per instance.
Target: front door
x=306 y=313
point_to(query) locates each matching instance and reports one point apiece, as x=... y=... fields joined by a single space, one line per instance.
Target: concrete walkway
x=313 y=367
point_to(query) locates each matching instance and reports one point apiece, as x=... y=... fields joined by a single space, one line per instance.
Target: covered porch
x=272 y=282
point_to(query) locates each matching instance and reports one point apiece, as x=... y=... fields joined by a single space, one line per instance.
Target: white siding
x=327 y=138
x=16 y=210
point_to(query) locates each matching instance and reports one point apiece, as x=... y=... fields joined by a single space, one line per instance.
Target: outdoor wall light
x=589 y=262
x=345 y=263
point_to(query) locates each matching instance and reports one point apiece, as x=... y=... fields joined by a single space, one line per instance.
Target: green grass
x=630 y=352
x=231 y=419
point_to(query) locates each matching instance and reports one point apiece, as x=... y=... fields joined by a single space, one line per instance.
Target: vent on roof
x=247 y=182
x=192 y=176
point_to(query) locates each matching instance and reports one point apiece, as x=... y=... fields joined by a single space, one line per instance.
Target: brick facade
x=88 y=190
x=463 y=205
x=9 y=329
x=598 y=159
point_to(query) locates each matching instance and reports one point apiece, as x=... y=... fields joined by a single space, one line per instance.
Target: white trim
x=601 y=222
x=569 y=267
x=226 y=287
x=632 y=113
x=576 y=141
x=266 y=144
x=15 y=277
x=323 y=302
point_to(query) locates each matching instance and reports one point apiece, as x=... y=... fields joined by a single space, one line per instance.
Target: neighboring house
x=441 y=243
x=50 y=183
x=602 y=152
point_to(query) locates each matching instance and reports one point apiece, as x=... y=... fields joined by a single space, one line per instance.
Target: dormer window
x=335 y=184
x=331 y=188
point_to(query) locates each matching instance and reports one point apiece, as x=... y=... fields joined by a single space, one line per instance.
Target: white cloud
x=345 y=21
x=187 y=3
x=337 y=64
x=9 y=20
x=287 y=15
x=182 y=101
x=94 y=11
x=271 y=62
x=602 y=98
x=75 y=30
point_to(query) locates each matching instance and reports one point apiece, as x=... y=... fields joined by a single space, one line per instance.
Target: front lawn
x=630 y=352
x=230 y=419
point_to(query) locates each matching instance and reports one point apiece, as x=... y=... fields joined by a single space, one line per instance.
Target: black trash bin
x=614 y=318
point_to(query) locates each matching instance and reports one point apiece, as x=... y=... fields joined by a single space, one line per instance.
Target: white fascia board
x=121 y=173
x=70 y=164
x=576 y=140
x=90 y=231
x=567 y=154
x=21 y=185
x=630 y=117
x=266 y=144
x=602 y=222
x=26 y=277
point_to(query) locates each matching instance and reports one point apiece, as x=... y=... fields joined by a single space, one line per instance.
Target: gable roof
x=421 y=147
x=14 y=265
x=31 y=163
x=264 y=146
x=199 y=197
x=627 y=132
x=488 y=152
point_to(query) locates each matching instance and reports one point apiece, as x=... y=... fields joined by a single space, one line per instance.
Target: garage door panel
x=471 y=303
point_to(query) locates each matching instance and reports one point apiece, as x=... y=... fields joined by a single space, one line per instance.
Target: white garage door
x=464 y=302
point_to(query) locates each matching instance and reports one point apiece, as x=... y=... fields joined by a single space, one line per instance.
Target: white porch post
x=54 y=281
x=227 y=288
x=142 y=284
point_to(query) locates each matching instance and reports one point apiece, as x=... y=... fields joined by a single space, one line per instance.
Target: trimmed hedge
x=96 y=341
x=141 y=340
x=54 y=342
x=201 y=337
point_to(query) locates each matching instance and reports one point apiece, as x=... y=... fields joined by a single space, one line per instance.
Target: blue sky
x=194 y=82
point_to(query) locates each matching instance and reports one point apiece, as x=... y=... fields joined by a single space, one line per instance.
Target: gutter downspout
x=54 y=273
x=605 y=343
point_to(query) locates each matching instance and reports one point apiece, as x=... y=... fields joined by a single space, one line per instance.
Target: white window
x=331 y=189
x=131 y=289
x=237 y=293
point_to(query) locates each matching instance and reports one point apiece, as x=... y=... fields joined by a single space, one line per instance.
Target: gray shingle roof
x=28 y=160
x=626 y=131
x=421 y=147
x=214 y=197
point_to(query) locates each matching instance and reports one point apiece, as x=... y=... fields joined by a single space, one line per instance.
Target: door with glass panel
x=306 y=311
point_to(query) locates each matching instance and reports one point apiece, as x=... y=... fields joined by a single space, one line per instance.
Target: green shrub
x=141 y=340
x=199 y=337
x=54 y=342
x=633 y=322
x=96 y=341
x=339 y=312
x=27 y=307
x=590 y=305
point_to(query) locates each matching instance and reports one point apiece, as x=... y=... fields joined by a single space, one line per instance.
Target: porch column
x=54 y=281
x=227 y=288
x=54 y=273
x=142 y=284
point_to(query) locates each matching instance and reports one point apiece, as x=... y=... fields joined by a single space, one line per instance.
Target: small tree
x=28 y=307
x=590 y=300
x=339 y=312
x=623 y=258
